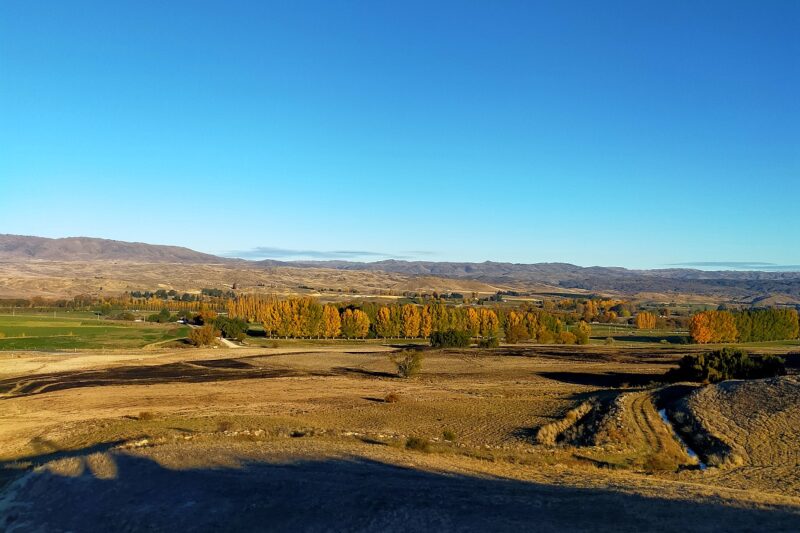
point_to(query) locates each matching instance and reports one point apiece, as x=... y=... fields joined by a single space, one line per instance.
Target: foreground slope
x=752 y=430
x=304 y=437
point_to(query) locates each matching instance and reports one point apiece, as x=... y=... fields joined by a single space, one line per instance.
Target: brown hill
x=25 y=248
x=747 y=288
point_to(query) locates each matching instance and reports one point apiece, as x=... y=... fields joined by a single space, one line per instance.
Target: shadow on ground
x=602 y=379
x=345 y=495
x=184 y=372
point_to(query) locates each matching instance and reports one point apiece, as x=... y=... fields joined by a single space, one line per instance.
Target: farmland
x=45 y=332
x=266 y=433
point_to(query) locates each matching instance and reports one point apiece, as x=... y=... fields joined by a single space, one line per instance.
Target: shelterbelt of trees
x=305 y=317
x=750 y=325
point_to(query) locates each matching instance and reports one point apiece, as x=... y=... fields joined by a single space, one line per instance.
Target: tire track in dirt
x=657 y=438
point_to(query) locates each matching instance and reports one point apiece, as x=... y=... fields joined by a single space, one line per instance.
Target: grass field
x=51 y=312
x=32 y=332
x=267 y=434
x=261 y=433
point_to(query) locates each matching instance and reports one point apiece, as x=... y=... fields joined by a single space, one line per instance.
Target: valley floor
x=318 y=439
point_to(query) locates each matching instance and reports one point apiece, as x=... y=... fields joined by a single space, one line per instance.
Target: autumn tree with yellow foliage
x=411 y=321
x=713 y=327
x=355 y=324
x=645 y=320
x=332 y=322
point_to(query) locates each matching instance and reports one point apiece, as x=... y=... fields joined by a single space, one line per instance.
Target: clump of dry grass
x=392 y=397
x=418 y=444
x=548 y=433
x=146 y=415
x=408 y=364
x=659 y=463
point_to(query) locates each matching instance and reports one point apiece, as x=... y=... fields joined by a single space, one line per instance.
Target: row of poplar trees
x=305 y=317
x=751 y=325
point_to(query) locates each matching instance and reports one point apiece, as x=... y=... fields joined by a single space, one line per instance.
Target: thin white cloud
x=287 y=254
x=738 y=265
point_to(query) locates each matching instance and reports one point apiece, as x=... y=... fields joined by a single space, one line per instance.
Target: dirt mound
x=755 y=423
x=624 y=431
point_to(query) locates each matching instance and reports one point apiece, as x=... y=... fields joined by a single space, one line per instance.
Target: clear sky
x=639 y=134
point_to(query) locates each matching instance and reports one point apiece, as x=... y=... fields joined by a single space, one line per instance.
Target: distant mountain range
x=21 y=247
x=745 y=286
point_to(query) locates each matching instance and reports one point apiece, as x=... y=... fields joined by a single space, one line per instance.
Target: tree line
x=749 y=325
x=305 y=317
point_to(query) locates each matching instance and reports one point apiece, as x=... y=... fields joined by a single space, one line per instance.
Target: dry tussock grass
x=548 y=433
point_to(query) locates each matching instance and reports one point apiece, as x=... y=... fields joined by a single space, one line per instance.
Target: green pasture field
x=31 y=332
x=631 y=335
x=57 y=312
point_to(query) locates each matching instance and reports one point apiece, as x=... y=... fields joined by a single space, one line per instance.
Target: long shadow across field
x=182 y=372
x=602 y=379
x=349 y=495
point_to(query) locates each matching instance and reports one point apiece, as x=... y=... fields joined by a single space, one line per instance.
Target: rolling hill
x=59 y=258
x=25 y=248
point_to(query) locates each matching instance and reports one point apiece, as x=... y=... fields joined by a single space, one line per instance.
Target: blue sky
x=639 y=134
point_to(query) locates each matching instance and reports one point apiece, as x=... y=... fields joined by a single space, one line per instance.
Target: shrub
x=392 y=397
x=583 y=332
x=162 y=317
x=489 y=342
x=609 y=341
x=546 y=336
x=566 y=337
x=581 y=337
x=146 y=415
x=727 y=363
x=418 y=444
x=203 y=336
x=408 y=364
x=450 y=339
x=448 y=435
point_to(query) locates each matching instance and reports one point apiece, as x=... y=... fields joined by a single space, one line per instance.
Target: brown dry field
x=231 y=439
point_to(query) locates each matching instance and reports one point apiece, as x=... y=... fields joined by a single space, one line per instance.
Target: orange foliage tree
x=332 y=322
x=645 y=320
x=714 y=327
x=355 y=324
x=411 y=321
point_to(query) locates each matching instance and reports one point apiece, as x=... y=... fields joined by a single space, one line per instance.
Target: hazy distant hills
x=548 y=272
x=20 y=247
x=744 y=286
x=755 y=287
